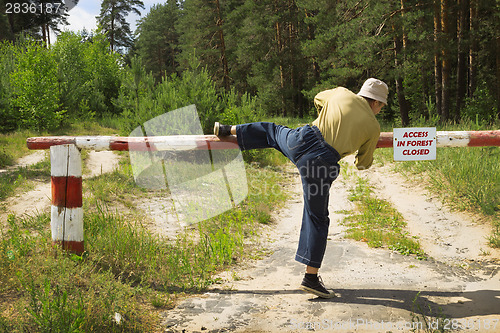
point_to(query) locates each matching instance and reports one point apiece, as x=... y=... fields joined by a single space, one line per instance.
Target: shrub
x=89 y=74
x=141 y=102
x=35 y=91
x=482 y=108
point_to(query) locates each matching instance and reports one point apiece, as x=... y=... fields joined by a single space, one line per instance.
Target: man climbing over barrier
x=346 y=124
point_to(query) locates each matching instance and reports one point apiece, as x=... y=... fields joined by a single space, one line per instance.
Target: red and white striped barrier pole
x=67 y=213
x=152 y=143
x=197 y=142
x=66 y=168
x=453 y=139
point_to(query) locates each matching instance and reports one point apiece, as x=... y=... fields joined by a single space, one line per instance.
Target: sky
x=84 y=15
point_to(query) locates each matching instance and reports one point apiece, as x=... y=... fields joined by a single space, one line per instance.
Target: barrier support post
x=66 y=218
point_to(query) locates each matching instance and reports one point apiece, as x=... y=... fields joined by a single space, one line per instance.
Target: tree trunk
x=404 y=105
x=400 y=45
x=282 y=75
x=405 y=36
x=437 y=59
x=112 y=30
x=311 y=36
x=461 y=57
x=48 y=35
x=498 y=76
x=44 y=34
x=445 y=26
x=425 y=79
x=10 y=18
x=294 y=59
x=473 y=49
x=225 y=67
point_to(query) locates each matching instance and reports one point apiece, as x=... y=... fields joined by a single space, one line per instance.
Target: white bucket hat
x=375 y=89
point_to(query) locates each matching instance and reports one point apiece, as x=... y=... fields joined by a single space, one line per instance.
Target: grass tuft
x=427 y=319
x=377 y=223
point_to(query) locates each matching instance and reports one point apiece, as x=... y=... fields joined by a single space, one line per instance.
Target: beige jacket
x=348 y=124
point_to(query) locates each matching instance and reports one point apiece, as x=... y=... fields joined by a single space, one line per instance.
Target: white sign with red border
x=414 y=144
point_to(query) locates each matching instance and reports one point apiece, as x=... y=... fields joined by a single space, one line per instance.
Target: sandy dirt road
x=377 y=290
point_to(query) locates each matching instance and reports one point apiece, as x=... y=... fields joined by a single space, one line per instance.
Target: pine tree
x=269 y=56
x=203 y=25
x=112 y=20
x=35 y=18
x=351 y=40
x=157 y=39
x=5 y=29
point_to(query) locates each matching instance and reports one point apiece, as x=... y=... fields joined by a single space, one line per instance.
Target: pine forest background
x=242 y=60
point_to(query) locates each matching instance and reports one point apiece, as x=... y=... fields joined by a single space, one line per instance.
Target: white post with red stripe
x=67 y=213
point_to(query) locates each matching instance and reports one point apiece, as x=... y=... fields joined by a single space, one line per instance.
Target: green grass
x=113 y=187
x=127 y=271
x=84 y=127
x=127 y=274
x=468 y=178
x=377 y=223
x=13 y=146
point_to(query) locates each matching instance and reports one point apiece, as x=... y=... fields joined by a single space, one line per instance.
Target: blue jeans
x=318 y=166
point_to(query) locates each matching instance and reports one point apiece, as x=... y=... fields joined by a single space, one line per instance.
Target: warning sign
x=414 y=144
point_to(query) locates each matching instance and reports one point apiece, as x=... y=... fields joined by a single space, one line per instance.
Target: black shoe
x=222 y=130
x=314 y=284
